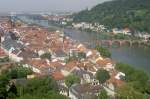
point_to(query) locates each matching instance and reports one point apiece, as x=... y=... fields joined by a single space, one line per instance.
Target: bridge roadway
x=117 y=42
x=123 y=42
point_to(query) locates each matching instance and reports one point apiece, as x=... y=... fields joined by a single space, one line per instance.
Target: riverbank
x=136 y=56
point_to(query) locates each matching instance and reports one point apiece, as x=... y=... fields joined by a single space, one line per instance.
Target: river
x=135 y=56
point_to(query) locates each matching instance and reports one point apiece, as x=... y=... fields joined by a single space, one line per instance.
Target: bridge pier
x=130 y=43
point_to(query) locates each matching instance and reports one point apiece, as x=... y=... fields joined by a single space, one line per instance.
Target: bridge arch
x=116 y=43
x=127 y=43
x=106 y=43
x=135 y=44
x=142 y=44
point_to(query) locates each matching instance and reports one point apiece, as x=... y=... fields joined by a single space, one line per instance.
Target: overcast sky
x=46 y=5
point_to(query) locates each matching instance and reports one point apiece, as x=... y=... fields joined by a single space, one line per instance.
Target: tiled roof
x=2 y=53
x=115 y=81
x=57 y=75
x=38 y=63
x=42 y=39
x=80 y=73
x=9 y=42
x=71 y=65
x=58 y=65
x=26 y=53
x=104 y=62
x=85 y=91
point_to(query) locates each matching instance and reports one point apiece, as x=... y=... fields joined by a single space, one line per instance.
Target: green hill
x=134 y=14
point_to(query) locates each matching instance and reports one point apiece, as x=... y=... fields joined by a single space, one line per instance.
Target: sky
x=46 y=5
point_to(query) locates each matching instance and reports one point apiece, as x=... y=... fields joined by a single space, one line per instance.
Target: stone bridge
x=122 y=42
x=128 y=43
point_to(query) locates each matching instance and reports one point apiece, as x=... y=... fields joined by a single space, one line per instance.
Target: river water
x=135 y=56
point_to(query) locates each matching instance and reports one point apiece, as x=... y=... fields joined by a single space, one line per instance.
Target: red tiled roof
x=41 y=39
x=55 y=64
x=57 y=75
x=104 y=62
x=71 y=65
x=38 y=63
x=114 y=81
x=2 y=53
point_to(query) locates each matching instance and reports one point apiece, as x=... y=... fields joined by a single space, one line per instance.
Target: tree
x=12 y=92
x=102 y=75
x=127 y=92
x=70 y=80
x=132 y=74
x=147 y=87
x=7 y=90
x=11 y=95
x=46 y=55
x=49 y=95
x=134 y=14
x=4 y=82
x=5 y=59
x=102 y=94
x=40 y=85
x=136 y=78
x=19 y=72
x=81 y=55
x=37 y=88
x=103 y=51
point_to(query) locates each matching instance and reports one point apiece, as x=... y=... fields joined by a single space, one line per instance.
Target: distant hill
x=134 y=14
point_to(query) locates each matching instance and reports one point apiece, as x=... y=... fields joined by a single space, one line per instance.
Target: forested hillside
x=134 y=14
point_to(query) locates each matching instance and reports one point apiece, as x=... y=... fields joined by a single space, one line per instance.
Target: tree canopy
x=147 y=87
x=49 y=95
x=102 y=75
x=46 y=55
x=7 y=90
x=37 y=88
x=3 y=86
x=81 y=55
x=103 y=51
x=18 y=71
x=102 y=94
x=128 y=92
x=134 y=14
x=71 y=79
x=132 y=74
x=4 y=59
x=137 y=79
